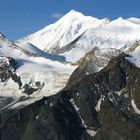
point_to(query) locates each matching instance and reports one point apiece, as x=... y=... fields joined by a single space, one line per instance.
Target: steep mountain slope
x=75 y=34
x=70 y=38
x=103 y=105
x=77 y=79
x=29 y=75
x=134 y=52
x=37 y=51
x=118 y=34
x=64 y=31
x=93 y=62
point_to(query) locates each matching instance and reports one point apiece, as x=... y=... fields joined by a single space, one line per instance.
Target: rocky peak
x=2 y=36
x=102 y=105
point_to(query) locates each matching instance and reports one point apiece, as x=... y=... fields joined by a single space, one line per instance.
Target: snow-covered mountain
x=134 y=54
x=64 y=31
x=118 y=34
x=75 y=34
x=34 y=72
x=46 y=56
x=77 y=79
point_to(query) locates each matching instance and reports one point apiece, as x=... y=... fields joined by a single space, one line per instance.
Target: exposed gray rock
x=96 y=107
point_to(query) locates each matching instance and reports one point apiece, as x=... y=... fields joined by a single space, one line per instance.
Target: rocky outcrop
x=99 y=106
x=93 y=62
x=7 y=70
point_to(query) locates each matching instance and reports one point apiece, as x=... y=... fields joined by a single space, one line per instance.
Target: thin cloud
x=56 y=15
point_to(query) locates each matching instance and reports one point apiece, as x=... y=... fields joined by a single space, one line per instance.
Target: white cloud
x=56 y=15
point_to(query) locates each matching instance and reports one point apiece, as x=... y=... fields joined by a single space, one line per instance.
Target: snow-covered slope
x=43 y=59
x=118 y=34
x=134 y=20
x=134 y=54
x=34 y=76
x=75 y=34
x=37 y=51
x=64 y=31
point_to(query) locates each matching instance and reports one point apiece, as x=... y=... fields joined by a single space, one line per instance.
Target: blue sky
x=19 y=18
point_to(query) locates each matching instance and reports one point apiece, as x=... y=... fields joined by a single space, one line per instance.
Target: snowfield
x=34 y=66
x=135 y=56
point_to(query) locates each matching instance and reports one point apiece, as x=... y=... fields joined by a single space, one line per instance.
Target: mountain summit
x=75 y=34
x=64 y=31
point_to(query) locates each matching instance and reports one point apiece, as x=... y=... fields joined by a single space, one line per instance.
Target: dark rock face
x=28 y=89
x=7 y=70
x=92 y=62
x=2 y=36
x=96 y=107
x=8 y=67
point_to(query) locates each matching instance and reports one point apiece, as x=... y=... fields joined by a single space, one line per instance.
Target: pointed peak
x=106 y=20
x=120 y=19
x=2 y=36
x=74 y=13
x=70 y=16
